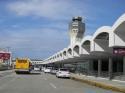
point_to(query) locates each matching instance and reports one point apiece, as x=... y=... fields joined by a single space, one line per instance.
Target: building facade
x=100 y=55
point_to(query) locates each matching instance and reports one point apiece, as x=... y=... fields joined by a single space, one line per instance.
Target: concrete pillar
x=99 y=67
x=110 y=68
x=60 y=65
x=124 y=65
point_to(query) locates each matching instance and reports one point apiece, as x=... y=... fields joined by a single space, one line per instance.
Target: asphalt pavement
x=44 y=83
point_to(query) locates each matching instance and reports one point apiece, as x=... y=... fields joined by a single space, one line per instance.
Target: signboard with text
x=119 y=51
x=5 y=56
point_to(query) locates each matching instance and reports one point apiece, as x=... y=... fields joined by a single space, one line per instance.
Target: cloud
x=53 y=9
x=52 y=36
x=15 y=26
x=38 y=41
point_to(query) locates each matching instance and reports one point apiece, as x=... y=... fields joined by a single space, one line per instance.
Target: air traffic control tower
x=76 y=30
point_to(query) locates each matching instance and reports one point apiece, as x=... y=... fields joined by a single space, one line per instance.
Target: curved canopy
x=102 y=33
x=119 y=24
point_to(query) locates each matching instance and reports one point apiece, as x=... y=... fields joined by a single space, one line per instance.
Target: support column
x=59 y=65
x=124 y=65
x=62 y=65
x=99 y=67
x=110 y=68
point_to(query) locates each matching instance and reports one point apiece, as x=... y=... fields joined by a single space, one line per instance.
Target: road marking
x=51 y=84
x=5 y=84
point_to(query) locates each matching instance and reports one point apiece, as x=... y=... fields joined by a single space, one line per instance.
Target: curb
x=100 y=85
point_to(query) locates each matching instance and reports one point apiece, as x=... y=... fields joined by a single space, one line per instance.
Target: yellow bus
x=22 y=65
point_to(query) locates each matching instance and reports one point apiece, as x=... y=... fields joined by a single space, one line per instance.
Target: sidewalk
x=114 y=85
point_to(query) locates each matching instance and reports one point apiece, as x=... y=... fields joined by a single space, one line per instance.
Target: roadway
x=44 y=83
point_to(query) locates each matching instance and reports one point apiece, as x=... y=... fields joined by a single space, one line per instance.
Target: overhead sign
x=119 y=51
x=5 y=56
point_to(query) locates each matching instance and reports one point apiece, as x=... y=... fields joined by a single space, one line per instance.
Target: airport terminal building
x=100 y=55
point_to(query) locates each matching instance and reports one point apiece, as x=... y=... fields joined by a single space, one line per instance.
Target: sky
x=39 y=28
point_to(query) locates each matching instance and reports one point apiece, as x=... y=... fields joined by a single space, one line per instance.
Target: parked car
x=47 y=70
x=36 y=68
x=63 y=72
x=43 y=68
x=54 y=71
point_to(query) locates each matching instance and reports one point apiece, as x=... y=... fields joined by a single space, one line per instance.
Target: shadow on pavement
x=35 y=74
x=24 y=73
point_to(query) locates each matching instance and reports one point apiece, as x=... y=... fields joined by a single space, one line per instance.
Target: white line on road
x=51 y=84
